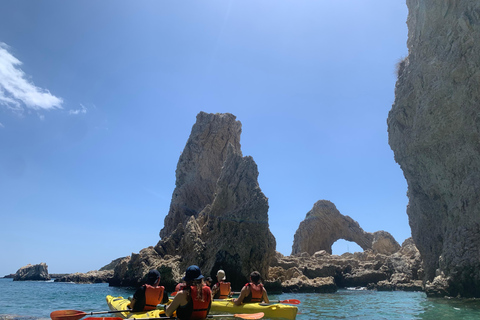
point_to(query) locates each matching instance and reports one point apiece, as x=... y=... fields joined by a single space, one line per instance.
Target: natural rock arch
x=324 y=225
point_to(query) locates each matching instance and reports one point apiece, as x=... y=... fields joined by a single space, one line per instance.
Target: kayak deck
x=120 y=303
x=276 y=310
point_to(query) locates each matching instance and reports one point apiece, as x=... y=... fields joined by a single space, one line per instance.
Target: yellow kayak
x=120 y=303
x=276 y=310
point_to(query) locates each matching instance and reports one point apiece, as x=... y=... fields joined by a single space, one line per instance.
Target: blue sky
x=98 y=98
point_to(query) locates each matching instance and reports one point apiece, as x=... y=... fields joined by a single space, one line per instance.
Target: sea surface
x=32 y=300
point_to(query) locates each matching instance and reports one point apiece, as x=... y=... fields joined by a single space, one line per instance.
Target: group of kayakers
x=193 y=297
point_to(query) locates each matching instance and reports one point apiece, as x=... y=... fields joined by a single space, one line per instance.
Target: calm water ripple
x=33 y=300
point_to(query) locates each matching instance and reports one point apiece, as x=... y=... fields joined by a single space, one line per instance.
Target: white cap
x=221 y=274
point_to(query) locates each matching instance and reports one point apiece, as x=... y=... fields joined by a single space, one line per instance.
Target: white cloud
x=82 y=110
x=16 y=91
x=1 y=125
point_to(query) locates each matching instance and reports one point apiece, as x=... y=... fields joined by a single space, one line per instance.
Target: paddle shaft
x=103 y=312
x=241 y=316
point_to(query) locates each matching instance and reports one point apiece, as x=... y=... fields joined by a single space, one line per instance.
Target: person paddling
x=221 y=289
x=150 y=294
x=252 y=291
x=194 y=300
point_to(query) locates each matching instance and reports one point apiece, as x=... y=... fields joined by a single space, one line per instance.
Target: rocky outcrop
x=218 y=215
x=131 y=271
x=89 y=277
x=434 y=130
x=324 y=225
x=32 y=272
x=323 y=272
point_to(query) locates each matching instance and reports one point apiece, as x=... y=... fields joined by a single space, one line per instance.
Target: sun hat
x=193 y=273
x=221 y=274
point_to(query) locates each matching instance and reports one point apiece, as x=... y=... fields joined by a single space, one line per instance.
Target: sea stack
x=434 y=131
x=218 y=216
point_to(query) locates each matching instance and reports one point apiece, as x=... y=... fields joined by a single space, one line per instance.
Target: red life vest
x=223 y=290
x=153 y=296
x=200 y=308
x=256 y=292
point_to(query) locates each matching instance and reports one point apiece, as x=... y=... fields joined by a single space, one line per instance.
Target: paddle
x=288 y=301
x=248 y=316
x=75 y=314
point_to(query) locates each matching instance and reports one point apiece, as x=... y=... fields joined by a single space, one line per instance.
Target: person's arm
x=180 y=299
x=137 y=299
x=243 y=293
x=265 y=296
x=132 y=303
x=165 y=297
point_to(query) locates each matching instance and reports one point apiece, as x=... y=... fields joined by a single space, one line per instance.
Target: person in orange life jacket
x=150 y=294
x=252 y=291
x=221 y=289
x=194 y=300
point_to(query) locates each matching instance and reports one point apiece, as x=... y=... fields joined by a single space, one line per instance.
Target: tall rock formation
x=199 y=167
x=324 y=225
x=434 y=130
x=218 y=217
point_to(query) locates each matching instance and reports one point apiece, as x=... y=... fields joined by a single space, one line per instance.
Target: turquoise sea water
x=32 y=300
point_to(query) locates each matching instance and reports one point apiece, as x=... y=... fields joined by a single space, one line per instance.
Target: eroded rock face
x=434 y=130
x=217 y=201
x=236 y=224
x=324 y=225
x=32 y=272
x=200 y=166
x=132 y=270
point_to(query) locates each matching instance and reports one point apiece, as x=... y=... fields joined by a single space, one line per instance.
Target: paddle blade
x=67 y=315
x=291 y=301
x=258 y=315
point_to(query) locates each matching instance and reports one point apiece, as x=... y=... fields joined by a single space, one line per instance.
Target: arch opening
x=342 y=246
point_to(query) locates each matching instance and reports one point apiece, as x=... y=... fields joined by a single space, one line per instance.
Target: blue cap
x=193 y=273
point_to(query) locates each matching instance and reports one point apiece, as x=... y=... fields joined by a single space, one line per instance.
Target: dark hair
x=255 y=277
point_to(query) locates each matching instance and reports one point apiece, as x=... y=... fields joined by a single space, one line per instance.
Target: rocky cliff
x=434 y=130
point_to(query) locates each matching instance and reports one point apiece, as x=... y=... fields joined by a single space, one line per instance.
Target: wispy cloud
x=16 y=91
x=82 y=110
x=1 y=125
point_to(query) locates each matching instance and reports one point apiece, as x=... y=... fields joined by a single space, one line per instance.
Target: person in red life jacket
x=221 y=289
x=252 y=291
x=150 y=294
x=179 y=286
x=194 y=300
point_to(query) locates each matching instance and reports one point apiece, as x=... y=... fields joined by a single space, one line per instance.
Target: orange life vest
x=196 y=309
x=223 y=290
x=153 y=296
x=200 y=308
x=256 y=292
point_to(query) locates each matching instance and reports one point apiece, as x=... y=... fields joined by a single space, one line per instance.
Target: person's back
x=194 y=300
x=198 y=305
x=221 y=289
x=148 y=296
x=252 y=291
